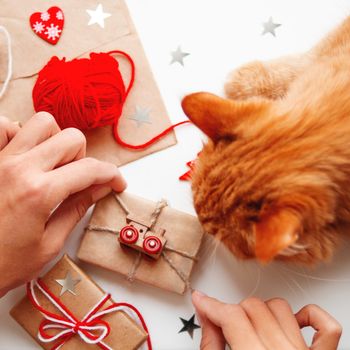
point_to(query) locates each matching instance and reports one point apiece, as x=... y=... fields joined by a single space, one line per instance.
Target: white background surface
x=219 y=35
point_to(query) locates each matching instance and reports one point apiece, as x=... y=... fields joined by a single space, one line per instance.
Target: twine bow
x=91 y=329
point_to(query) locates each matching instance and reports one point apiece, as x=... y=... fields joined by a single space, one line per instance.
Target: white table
x=219 y=35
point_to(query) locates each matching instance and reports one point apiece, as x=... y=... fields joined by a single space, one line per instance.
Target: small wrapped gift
x=67 y=310
x=143 y=240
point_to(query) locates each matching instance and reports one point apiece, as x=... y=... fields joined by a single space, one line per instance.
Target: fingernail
x=201 y=294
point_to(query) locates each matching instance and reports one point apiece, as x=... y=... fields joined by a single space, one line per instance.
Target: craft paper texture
x=78 y=39
x=125 y=333
x=182 y=231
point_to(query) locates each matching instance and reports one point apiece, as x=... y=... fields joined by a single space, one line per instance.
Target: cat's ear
x=219 y=117
x=276 y=230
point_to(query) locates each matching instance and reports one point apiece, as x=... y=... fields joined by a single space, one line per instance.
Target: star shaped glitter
x=68 y=284
x=98 y=16
x=188 y=326
x=141 y=116
x=178 y=56
x=270 y=27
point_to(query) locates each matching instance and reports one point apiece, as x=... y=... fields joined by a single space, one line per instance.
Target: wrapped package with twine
x=65 y=309
x=181 y=237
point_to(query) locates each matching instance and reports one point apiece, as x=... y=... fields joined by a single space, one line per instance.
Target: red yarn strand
x=132 y=65
x=148 y=143
x=115 y=126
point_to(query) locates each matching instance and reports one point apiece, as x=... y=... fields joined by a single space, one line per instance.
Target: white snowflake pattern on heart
x=38 y=27
x=53 y=32
x=45 y=16
x=59 y=15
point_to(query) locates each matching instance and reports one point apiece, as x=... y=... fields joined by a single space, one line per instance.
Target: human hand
x=258 y=325
x=46 y=187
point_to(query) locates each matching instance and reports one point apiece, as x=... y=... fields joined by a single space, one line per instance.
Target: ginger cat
x=272 y=182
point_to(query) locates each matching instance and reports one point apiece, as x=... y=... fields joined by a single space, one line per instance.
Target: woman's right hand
x=46 y=186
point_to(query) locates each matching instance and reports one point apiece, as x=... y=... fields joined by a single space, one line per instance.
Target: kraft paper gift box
x=78 y=39
x=180 y=233
x=125 y=333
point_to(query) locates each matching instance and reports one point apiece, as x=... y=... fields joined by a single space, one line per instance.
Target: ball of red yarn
x=87 y=93
x=83 y=93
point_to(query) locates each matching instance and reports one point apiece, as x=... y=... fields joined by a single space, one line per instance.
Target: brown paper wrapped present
x=78 y=39
x=78 y=294
x=143 y=240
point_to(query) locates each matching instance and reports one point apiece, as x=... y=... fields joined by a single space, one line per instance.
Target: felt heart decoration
x=48 y=25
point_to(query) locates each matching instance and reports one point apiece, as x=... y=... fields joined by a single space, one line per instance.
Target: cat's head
x=255 y=186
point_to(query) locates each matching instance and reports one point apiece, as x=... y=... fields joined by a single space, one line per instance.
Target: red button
x=152 y=245
x=129 y=235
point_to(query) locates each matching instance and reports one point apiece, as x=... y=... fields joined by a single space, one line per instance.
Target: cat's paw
x=258 y=79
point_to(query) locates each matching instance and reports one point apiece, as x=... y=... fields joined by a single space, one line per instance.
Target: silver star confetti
x=141 y=116
x=270 y=27
x=178 y=56
x=98 y=16
x=68 y=284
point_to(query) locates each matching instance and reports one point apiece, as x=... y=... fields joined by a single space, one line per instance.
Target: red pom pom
x=83 y=93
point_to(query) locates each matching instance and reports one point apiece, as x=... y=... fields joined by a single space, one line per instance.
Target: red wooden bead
x=152 y=245
x=129 y=234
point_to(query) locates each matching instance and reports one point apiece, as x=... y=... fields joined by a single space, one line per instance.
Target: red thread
x=87 y=93
x=187 y=176
x=79 y=324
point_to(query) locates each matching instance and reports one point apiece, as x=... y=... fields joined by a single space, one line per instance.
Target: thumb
x=69 y=213
x=212 y=337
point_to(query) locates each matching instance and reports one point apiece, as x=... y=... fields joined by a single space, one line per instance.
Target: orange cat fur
x=272 y=181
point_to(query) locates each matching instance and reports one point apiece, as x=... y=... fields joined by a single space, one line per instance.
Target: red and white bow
x=91 y=329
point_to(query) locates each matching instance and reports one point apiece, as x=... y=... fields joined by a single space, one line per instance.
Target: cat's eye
x=255 y=205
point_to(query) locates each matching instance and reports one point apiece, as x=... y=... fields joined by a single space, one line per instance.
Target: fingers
x=255 y=324
x=236 y=327
x=265 y=324
x=38 y=129
x=8 y=130
x=212 y=337
x=68 y=214
x=82 y=174
x=328 y=330
x=62 y=148
x=283 y=314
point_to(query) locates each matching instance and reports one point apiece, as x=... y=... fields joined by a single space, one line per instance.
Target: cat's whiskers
x=294 y=249
x=316 y=278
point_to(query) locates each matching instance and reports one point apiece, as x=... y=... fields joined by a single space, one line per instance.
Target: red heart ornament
x=48 y=25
